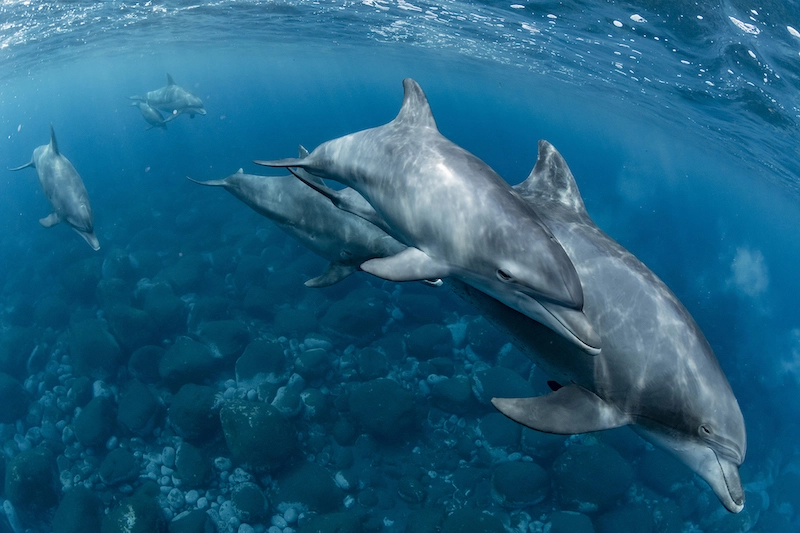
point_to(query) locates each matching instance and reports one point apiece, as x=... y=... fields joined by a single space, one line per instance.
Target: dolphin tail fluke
x=170 y=81
x=50 y=220
x=209 y=183
x=26 y=165
x=567 y=411
x=335 y=273
x=53 y=143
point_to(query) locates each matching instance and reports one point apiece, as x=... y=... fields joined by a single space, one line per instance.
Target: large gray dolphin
x=341 y=238
x=456 y=215
x=173 y=99
x=63 y=187
x=656 y=372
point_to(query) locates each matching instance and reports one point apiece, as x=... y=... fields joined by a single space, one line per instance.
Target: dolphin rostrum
x=656 y=372
x=173 y=99
x=341 y=238
x=456 y=215
x=63 y=187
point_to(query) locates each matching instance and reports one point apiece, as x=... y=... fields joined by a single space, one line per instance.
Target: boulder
x=518 y=485
x=571 y=522
x=119 y=466
x=260 y=359
x=453 y=395
x=95 y=423
x=194 y=413
x=192 y=467
x=248 y=426
x=484 y=339
x=93 y=350
x=429 y=341
x=196 y=521
x=310 y=485
x=168 y=311
x=499 y=382
x=294 y=323
x=636 y=518
x=226 y=339
x=139 y=409
x=472 y=520
x=499 y=430
x=143 y=363
x=355 y=320
x=13 y=398
x=187 y=361
x=312 y=364
x=249 y=502
x=344 y=522
x=383 y=408
x=16 y=345
x=78 y=512
x=31 y=482
x=138 y=513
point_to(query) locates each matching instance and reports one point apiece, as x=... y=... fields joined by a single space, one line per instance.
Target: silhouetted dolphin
x=656 y=372
x=341 y=238
x=456 y=215
x=63 y=187
x=173 y=99
x=152 y=115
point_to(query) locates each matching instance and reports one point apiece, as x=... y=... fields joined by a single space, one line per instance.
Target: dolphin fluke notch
x=53 y=143
x=416 y=110
x=569 y=410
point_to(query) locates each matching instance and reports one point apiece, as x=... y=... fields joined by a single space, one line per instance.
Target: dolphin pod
x=173 y=99
x=456 y=216
x=63 y=187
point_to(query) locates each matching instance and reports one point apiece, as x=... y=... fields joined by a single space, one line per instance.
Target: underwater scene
x=325 y=266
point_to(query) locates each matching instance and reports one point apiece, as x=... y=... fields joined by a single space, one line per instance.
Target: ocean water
x=678 y=119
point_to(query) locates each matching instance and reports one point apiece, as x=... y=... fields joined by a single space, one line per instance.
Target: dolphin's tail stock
x=26 y=165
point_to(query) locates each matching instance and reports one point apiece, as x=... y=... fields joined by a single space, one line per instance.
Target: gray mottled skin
x=457 y=216
x=152 y=115
x=64 y=189
x=341 y=238
x=656 y=372
x=173 y=99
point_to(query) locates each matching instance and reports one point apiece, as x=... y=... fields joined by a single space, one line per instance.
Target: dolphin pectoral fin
x=50 y=220
x=282 y=163
x=335 y=273
x=412 y=264
x=574 y=325
x=26 y=165
x=210 y=183
x=569 y=410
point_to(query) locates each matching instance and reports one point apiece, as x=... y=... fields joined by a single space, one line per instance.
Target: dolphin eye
x=705 y=431
x=502 y=275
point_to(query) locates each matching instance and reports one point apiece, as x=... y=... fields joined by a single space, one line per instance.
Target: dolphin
x=63 y=187
x=152 y=115
x=456 y=215
x=656 y=372
x=341 y=238
x=173 y=99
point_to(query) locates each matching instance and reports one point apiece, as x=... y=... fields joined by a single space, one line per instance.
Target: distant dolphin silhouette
x=63 y=187
x=341 y=238
x=173 y=99
x=456 y=215
x=657 y=371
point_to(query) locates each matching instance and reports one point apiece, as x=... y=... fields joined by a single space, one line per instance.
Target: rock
x=312 y=364
x=260 y=359
x=13 y=398
x=192 y=467
x=429 y=341
x=571 y=522
x=80 y=391
x=425 y=520
x=498 y=430
x=576 y=471
x=453 y=395
x=117 y=264
x=51 y=312
x=411 y=490
x=345 y=522
x=31 y=482
x=662 y=472
x=544 y=446
x=81 y=278
x=16 y=345
x=139 y=410
x=355 y=320
x=443 y=366
x=499 y=382
x=143 y=363
x=145 y=263
x=78 y=512
x=209 y=308
x=112 y=292
x=168 y=311
x=186 y=275
x=383 y=408
x=196 y=521
x=226 y=339
x=310 y=485
x=484 y=339
x=315 y=404
x=626 y=519
x=473 y=521
x=248 y=426
x=119 y=466
x=138 y=513
x=187 y=361
x=518 y=485
x=372 y=364
x=249 y=502
x=258 y=303
x=93 y=350
x=421 y=308
x=294 y=323
x=95 y=423
x=344 y=433
x=194 y=413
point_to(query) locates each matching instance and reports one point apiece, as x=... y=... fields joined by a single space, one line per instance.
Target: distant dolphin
x=173 y=99
x=457 y=216
x=63 y=187
x=152 y=115
x=341 y=238
x=656 y=372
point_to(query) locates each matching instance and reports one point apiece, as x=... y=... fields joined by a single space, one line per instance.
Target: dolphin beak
x=574 y=325
x=728 y=486
x=91 y=239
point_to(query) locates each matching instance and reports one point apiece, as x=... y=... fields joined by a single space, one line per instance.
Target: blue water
x=679 y=122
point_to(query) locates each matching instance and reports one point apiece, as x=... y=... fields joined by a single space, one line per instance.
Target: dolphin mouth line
x=725 y=479
x=592 y=350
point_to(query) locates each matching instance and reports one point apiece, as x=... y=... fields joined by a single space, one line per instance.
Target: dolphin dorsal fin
x=551 y=181
x=240 y=171
x=415 y=110
x=302 y=151
x=53 y=143
x=170 y=81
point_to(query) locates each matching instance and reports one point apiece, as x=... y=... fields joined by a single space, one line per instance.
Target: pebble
x=112 y=443
x=279 y=521
x=290 y=515
x=239 y=476
x=176 y=499
x=192 y=497
x=252 y=395
x=202 y=502
x=246 y=528
x=168 y=456
x=166 y=471
x=274 y=529
x=223 y=464
x=349 y=501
